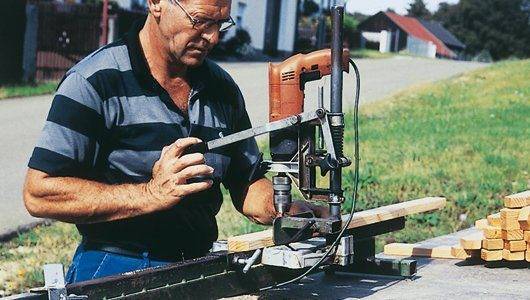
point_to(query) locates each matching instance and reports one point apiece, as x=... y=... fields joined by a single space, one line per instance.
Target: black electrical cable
x=355 y=185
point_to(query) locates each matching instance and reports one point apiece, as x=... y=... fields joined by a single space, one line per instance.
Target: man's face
x=187 y=44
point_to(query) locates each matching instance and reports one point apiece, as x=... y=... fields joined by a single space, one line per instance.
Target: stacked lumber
x=504 y=236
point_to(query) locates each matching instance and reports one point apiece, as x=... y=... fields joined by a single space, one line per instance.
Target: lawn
x=12 y=91
x=465 y=138
x=368 y=53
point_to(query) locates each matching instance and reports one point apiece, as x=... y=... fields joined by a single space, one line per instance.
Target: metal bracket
x=298 y=255
x=289 y=229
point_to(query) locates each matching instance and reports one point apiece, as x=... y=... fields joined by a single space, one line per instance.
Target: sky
x=370 y=7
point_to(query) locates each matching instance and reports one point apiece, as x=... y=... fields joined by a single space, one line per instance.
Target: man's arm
x=76 y=200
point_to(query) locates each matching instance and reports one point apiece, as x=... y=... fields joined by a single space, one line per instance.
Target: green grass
x=368 y=53
x=12 y=91
x=465 y=138
x=22 y=258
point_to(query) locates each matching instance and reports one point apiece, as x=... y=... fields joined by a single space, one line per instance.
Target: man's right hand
x=173 y=169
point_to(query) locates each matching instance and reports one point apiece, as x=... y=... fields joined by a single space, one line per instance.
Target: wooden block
x=495 y=220
x=512 y=235
x=491 y=232
x=250 y=241
x=509 y=218
x=527 y=256
x=513 y=256
x=526 y=236
x=253 y=241
x=493 y=244
x=481 y=224
x=491 y=255
x=458 y=252
x=515 y=246
x=524 y=218
x=517 y=200
x=472 y=241
x=404 y=249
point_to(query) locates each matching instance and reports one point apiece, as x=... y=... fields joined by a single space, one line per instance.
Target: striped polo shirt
x=109 y=121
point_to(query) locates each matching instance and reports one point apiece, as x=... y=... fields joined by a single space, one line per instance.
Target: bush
x=238 y=45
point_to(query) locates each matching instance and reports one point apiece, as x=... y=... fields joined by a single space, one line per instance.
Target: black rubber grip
x=201 y=178
x=197 y=148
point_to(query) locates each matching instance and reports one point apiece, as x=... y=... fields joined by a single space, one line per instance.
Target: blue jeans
x=91 y=264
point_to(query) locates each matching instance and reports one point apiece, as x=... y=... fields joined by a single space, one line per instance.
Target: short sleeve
x=72 y=134
x=245 y=155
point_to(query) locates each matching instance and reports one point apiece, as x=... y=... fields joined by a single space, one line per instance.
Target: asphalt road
x=22 y=119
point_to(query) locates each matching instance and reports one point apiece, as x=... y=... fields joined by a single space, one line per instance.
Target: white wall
x=419 y=47
x=287 y=30
x=385 y=41
x=253 y=20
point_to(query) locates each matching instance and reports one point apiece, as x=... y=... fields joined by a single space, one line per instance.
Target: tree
x=418 y=9
x=498 y=26
x=310 y=7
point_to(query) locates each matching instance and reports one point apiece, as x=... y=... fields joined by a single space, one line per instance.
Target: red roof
x=415 y=28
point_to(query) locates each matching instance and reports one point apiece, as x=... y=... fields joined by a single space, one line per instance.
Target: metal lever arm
x=256 y=131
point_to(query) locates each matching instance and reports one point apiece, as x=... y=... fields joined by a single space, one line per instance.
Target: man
x=111 y=156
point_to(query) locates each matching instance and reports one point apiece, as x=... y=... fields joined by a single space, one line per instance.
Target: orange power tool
x=287 y=80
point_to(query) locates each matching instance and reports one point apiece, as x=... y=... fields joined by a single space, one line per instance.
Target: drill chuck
x=281 y=185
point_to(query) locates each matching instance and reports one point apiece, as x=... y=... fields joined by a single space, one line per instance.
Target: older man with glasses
x=111 y=157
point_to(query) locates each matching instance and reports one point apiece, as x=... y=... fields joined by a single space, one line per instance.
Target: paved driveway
x=22 y=119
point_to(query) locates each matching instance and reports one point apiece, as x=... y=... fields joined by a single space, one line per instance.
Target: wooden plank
x=491 y=232
x=517 y=200
x=491 y=255
x=395 y=211
x=512 y=235
x=509 y=218
x=527 y=256
x=481 y=224
x=461 y=253
x=524 y=218
x=472 y=241
x=494 y=220
x=493 y=244
x=250 y=241
x=515 y=246
x=513 y=256
x=263 y=239
x=403 y=249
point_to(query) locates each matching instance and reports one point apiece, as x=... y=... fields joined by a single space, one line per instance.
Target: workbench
x=435 y=279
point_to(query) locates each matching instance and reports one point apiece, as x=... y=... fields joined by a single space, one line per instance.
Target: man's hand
x=304 y=206
x=173 y=169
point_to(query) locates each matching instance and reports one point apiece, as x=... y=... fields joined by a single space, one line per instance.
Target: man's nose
x=211 y=35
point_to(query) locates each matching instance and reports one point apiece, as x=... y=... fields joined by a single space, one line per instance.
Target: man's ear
x=155 y=7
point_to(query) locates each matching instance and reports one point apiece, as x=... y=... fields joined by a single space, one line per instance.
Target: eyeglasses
x=204 y=24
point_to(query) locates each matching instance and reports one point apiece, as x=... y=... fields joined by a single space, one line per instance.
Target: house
x=272 y=24
x=444 y=35
x=394 y=33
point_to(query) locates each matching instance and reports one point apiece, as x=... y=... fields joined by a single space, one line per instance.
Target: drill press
x=297 y=151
